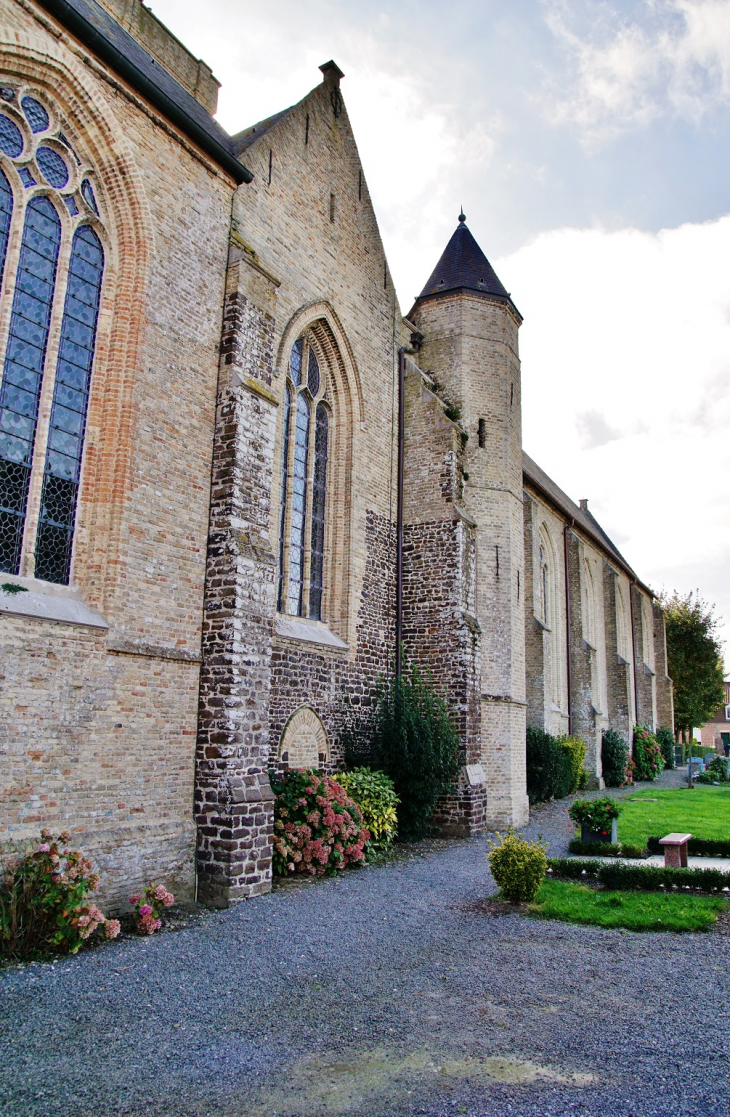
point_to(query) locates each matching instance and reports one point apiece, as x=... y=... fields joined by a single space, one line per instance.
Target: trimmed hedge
x=607 y=849
x=697 y=847
x=644 y=878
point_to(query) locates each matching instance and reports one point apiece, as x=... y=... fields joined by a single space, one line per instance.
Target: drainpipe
x=416 y=342
x=569 y=676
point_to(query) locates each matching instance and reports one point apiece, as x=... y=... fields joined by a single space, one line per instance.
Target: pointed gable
x=464 y=267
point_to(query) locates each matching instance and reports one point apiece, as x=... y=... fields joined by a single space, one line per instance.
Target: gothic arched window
x=307 y=423
x=52 y=280
x=544 y=593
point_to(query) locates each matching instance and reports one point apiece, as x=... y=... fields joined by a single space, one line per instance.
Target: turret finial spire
x=462 y=215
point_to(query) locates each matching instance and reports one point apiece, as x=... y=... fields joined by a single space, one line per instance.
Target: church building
x=235 y=477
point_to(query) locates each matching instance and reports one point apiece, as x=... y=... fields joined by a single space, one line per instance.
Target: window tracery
x=55 y=279
x=307 y=422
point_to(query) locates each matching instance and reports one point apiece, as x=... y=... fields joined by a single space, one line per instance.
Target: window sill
x=311 y=632
x=62 y=607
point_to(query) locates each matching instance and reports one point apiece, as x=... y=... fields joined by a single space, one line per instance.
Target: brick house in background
x=233 y=474
x=716 y=733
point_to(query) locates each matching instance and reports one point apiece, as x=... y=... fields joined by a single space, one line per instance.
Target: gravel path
x=384 y=992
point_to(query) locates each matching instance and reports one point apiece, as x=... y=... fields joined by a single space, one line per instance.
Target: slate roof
x=99 y=31
x=584 y=520
x=464 y=267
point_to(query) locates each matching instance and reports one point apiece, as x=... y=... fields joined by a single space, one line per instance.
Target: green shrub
x=375 y=796
x=608 y=849
x=665 y=740
x=595 y=814
x=576 y=750
x=518 y=866
x=549 y=769
x=652 y=878
x=715 y=772
x=317 y=827
x=614 y=758
x=696 y=847
x=42 y=902
x=648 y=759
x=413 y=739
x=572 y=868
x=645 y=878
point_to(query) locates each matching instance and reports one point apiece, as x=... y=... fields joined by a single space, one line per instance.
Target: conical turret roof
x=464 y=267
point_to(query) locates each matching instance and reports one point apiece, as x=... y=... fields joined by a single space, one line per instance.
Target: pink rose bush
x=148 y=906
x=318 y=828
x=43 y=908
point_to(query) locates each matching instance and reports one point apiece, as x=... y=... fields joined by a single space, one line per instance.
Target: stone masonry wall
x=97 y=727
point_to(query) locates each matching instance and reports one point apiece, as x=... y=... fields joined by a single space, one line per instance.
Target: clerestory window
x=51 y=271
x=307 y=422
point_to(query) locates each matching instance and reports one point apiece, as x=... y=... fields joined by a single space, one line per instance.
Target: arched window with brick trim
x=51 y=269
x=304 y=461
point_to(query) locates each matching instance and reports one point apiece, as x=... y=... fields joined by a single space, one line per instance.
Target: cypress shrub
x=413 y=739
x=549 y=770
x=576 y=750
x=665 y=740
x=614 y=758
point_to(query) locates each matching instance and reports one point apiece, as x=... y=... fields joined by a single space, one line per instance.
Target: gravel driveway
x=384 y=992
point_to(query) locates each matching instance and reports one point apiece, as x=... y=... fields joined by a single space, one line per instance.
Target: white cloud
x=626 y=389
x=626 y=74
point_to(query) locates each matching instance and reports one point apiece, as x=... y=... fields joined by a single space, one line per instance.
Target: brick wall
x=99 y=728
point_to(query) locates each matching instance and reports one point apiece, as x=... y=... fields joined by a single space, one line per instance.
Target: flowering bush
x=318 y=829
x=148 y=906
x=595 y=814
x=375 y=796
x=518 y=866
x=42 y=902
x=648 y=757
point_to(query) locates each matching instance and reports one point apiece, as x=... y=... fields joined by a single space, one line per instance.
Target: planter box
x=611 y=835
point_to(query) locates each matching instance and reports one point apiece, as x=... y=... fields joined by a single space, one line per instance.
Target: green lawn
x=703 y=812
x=637 y=911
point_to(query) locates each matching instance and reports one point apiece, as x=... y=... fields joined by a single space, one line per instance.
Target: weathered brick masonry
x=176 y=626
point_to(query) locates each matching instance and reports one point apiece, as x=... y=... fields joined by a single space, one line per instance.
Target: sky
x=589 y=144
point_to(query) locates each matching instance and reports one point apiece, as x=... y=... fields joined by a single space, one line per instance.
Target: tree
x=694 y=657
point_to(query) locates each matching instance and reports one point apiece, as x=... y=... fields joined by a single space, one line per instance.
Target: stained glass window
x=313 y=373
x=68 y=413
x=298 y=507
x=319 y=484
x=302 y=508
x=23 y=371
x=46 y=464
x=52 y=166
x=282 y=511
x=11 y=138
x=35 y=114
x=295 y=363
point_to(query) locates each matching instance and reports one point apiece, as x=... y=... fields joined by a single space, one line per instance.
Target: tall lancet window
x=305 y=448
x=544 y=600
x=51 y=268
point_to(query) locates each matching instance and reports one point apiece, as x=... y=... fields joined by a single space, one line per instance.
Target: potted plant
x=597 y=819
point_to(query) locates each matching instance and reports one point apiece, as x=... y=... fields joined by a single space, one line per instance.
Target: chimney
x=332 y=74
x=584 y=506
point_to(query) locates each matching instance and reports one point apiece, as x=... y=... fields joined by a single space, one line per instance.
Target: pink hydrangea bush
x=148 y=907
x=318 y=828
x=43 y=908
